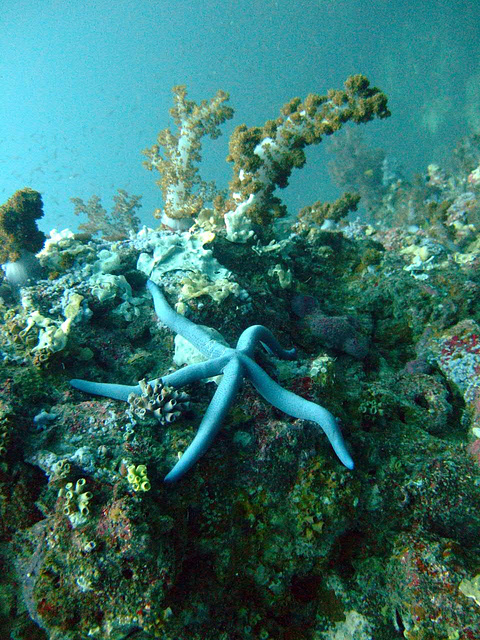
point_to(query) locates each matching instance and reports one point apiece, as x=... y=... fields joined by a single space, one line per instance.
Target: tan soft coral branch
x=176 y=156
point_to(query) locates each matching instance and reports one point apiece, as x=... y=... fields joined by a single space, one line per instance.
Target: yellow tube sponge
x=77 y=499
x=137 y=477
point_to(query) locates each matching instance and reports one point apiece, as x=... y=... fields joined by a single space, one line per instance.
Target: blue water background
x=85 y=86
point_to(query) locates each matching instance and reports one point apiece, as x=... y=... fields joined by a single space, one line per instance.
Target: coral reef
x=233 y=365
x=268 y=536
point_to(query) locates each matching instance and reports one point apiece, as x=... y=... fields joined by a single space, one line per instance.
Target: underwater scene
x=240 y=320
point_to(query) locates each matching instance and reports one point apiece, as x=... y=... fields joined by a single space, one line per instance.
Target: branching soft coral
x=18 y=225
x=264 y=157
x=115 y=225
x=176 y=155
x=320 y=212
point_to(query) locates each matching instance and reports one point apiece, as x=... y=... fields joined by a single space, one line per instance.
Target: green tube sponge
x=18 y=225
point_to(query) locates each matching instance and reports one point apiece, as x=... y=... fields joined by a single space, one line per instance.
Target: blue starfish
x=234 y=364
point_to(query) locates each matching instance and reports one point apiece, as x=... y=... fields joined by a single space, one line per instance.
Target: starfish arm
x=258 y=333
x=179 y=324
x=115 y=391
x=212 y=420
x=197 y=371
x=298 y=407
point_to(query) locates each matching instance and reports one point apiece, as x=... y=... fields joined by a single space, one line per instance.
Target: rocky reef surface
x=268 y=535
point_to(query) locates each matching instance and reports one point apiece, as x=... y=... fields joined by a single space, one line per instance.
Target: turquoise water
x=325 y=487
x=86 y=86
